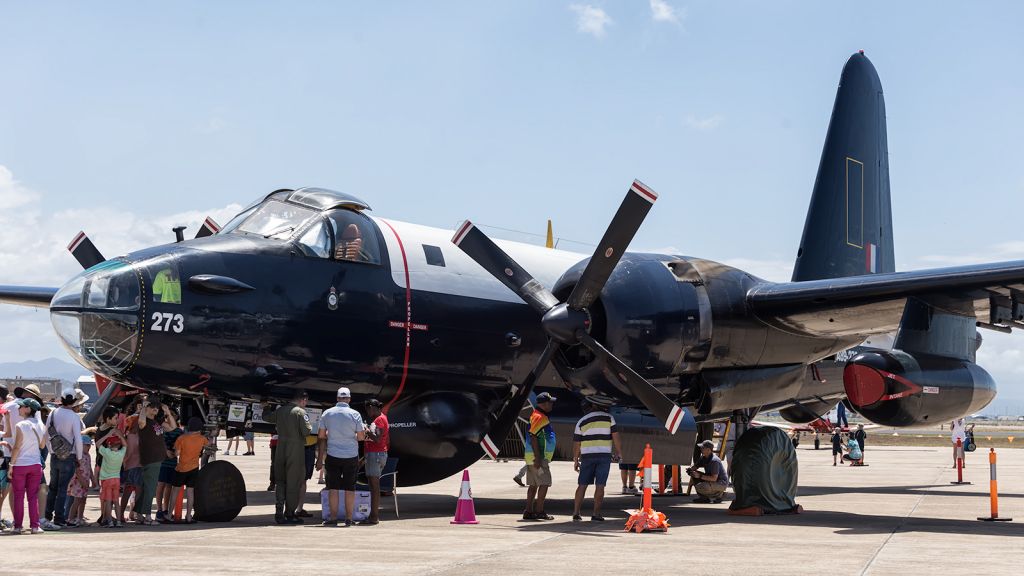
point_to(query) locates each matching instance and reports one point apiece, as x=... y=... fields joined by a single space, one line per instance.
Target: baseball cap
x=86 y=440
x=706 y=444
x=545 y=397
x=112 y=442
x=344 y=392
x=30 y=402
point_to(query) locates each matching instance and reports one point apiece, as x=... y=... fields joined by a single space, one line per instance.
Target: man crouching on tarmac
x=711 y=483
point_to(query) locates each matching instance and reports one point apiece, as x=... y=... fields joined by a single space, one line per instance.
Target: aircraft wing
x=873 y=304
x=35 y=296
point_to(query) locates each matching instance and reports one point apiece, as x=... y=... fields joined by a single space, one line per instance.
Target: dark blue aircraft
x=305 y=290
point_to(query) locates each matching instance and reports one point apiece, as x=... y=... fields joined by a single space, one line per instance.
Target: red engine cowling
x=900 y=389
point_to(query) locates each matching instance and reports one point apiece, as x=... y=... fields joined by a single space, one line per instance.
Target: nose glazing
x=96 y=315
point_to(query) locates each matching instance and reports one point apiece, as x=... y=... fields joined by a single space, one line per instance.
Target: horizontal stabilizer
x=35 y=296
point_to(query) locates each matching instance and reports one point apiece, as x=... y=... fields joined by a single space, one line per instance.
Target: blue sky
x=126 y=118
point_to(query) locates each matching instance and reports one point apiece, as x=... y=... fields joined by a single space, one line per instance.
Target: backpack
x=59 y=445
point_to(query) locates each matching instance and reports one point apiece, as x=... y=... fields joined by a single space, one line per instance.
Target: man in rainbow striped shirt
x=539 y=449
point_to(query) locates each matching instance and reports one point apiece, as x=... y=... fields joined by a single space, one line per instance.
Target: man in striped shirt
x=595 y=443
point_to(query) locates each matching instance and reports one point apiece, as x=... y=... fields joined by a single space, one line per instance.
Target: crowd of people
x=595 y=446
x=334 y=450
x=142 y=455
x=146 y=461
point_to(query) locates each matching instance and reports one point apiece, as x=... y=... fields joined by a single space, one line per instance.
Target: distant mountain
x=48 y=368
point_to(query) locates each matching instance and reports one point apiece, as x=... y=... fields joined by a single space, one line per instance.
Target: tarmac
x=898 y=515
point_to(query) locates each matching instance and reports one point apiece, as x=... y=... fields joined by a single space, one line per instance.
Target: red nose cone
x=864 y=385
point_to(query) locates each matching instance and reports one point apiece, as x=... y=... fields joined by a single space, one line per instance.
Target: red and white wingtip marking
x=490 y=448
x=213 y=226
x=77 y=241
x=643 y=191
x=460 y=234
x=675 y=418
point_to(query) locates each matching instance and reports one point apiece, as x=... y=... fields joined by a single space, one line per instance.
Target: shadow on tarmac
x=924 y=489
x=679 y=510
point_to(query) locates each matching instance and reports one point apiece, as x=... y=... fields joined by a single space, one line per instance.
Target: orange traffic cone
x=465 y=513
x=646 y=518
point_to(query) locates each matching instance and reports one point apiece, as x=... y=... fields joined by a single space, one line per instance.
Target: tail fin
x=848 y=231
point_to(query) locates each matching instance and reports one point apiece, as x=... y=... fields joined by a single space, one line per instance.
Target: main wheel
x=220 y=492
x=764 y=471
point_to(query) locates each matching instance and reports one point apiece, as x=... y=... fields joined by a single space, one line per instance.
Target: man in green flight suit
x=290 y=461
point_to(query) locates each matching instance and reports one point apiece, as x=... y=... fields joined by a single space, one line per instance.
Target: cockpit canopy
x=322 y=223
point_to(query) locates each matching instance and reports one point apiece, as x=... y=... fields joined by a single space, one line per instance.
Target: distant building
x=48 y=387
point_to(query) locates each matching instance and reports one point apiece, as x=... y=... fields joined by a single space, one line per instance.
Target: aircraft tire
x=220 y=492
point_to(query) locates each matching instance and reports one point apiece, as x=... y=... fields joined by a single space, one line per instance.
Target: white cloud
x=590 y=19
x=996 y=253
x=662 y=11
x=12 y=193
x=704 y=124
x=33 y=252
x=212 y=125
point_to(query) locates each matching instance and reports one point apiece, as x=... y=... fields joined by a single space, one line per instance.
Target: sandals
x=145 y=522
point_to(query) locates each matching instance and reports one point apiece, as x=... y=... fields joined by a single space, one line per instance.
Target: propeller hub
x=565 y=324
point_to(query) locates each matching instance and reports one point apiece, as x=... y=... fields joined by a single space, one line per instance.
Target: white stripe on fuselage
x=460 y=275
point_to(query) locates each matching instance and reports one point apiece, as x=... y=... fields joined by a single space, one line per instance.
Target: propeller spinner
x=568 y=323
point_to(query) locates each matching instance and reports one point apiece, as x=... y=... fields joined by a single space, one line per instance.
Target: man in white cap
x=66 y=423
x=341 y=430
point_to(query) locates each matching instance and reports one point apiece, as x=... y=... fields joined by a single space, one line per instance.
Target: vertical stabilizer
x=848 y=231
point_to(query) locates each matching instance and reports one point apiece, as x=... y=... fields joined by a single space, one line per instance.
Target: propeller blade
x=616 y=239
x=85 y=251
x=664 y=409
x=209 y=228
x=486 y=253
x=506 y=418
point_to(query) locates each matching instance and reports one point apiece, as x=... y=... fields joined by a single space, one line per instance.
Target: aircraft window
x=275 y=219
x=166 y=284
x=434 y=255
x=355 y=239
x=316 y=241
x=237 y=220
x=111 y=285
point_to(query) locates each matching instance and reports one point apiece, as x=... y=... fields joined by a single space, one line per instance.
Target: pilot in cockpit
x=350 y=246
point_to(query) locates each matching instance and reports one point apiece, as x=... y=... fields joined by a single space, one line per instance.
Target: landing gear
x=764 y=473
x=220 y=492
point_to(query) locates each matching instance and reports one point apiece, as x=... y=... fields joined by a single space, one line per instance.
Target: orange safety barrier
x=993 y=490
x=646 y=518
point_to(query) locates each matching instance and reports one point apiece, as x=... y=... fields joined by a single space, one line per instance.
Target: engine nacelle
x=900 y=389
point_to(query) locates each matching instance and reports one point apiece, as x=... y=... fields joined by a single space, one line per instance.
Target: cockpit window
x=316 y=241
x=355 y=238
x=274 y=219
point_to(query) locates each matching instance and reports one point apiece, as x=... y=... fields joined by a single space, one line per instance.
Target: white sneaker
x=48 y=526
x=37 y=530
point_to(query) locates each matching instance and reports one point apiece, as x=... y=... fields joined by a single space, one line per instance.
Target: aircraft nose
x=96 y=315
